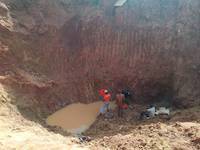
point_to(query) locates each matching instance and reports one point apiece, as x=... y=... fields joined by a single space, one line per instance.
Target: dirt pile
x=157 y=133
x=153 y=136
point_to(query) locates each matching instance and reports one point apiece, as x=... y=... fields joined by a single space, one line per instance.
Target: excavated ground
x=49 y=47
x=16 y=132
x=182 y=131
x=22 y=122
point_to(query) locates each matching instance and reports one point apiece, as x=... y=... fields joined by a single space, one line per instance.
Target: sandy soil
x=16 y=132
x=181 y=132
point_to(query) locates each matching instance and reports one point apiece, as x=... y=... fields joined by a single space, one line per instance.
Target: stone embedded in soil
x=196 y=141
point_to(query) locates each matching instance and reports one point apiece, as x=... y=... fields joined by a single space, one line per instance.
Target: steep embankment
x=16 y=132
x=149 y=47
x=53 y=53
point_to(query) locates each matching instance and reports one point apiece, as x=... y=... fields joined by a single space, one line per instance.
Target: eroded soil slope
x=16 y=132
x=150 y=47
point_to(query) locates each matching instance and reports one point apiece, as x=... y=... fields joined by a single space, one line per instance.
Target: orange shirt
x=106 y=97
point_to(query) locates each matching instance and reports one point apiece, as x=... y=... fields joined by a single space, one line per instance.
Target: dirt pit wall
x=62 y=52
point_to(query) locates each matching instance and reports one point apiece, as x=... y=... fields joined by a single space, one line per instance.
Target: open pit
x=54 y=54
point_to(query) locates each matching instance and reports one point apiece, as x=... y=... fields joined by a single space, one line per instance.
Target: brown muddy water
x=76 y=118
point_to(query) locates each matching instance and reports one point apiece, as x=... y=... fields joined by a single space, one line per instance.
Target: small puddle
x=75 y=118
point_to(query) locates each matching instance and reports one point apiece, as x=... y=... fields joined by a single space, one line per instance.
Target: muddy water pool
x=75 y=118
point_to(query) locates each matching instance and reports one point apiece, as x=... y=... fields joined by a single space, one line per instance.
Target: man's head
x=106 y=91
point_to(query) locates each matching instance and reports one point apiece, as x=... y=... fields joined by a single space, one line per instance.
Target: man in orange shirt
x=106 y=99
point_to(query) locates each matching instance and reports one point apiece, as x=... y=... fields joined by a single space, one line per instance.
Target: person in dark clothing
x=127 y=96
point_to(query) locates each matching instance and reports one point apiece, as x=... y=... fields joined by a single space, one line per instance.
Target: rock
x=178 y=125
x=85 y=139
x=143 y=144
x=103 y=144
x=124 y=148
x=186 y=130
x=190 y=134
x=3 y=10
x=119 y=145
x=109 y=115
x=160 y=134
x=151 y=135
x=196 y=141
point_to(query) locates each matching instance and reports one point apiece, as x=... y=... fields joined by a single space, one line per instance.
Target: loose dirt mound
x=152 y=136
x=129 y=133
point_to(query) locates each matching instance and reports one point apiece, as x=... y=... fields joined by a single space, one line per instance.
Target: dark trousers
x=120 y=111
